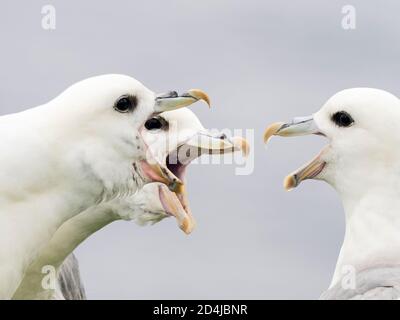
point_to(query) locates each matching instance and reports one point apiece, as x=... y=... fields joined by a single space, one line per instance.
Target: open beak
x=173 y=206
x=206 y=143
x=167 y=102
x=172 y=101
x=159 y=173
x=298 y=127
x=309 y=171
x=173 y=171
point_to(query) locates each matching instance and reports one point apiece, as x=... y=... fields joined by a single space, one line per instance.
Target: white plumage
x=362 y=163
x=68 y=155
x=152 y=203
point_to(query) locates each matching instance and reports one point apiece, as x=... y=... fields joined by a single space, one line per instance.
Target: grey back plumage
x=69 y=280
x=379 y=283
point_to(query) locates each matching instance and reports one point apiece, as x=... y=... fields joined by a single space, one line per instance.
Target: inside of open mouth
x=177 y=168
x=178 y=160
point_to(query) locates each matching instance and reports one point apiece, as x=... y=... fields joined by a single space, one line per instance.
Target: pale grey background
x=260 y=61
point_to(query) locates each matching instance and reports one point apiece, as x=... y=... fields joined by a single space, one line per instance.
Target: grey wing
x=379 y=293
x=380 y=283
x=69 y=280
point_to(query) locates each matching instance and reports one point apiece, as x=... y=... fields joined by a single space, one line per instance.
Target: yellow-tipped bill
x=175 y=207
x=172 y=101
x=172 y=171
x=298 y=127
x=218 y=144
x=272 y=130
x=308 y=171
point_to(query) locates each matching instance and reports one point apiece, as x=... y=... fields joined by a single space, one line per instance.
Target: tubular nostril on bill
x=169 y=94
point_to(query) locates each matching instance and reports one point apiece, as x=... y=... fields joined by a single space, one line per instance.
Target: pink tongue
x=151 y=173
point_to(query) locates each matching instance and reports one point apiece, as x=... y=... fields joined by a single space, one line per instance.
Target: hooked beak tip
x=172 y=101
x=242 y=145
x=290 y=182
x=200 y=95
x=187 y=226
x=273 y=129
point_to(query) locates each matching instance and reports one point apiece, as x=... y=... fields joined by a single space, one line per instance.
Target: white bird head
x=96 y=125
x=362 y=126
x=174 y=139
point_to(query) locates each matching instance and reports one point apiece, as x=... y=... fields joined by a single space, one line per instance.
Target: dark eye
x=125 y=104
x=342 y=119
x=153 y=124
